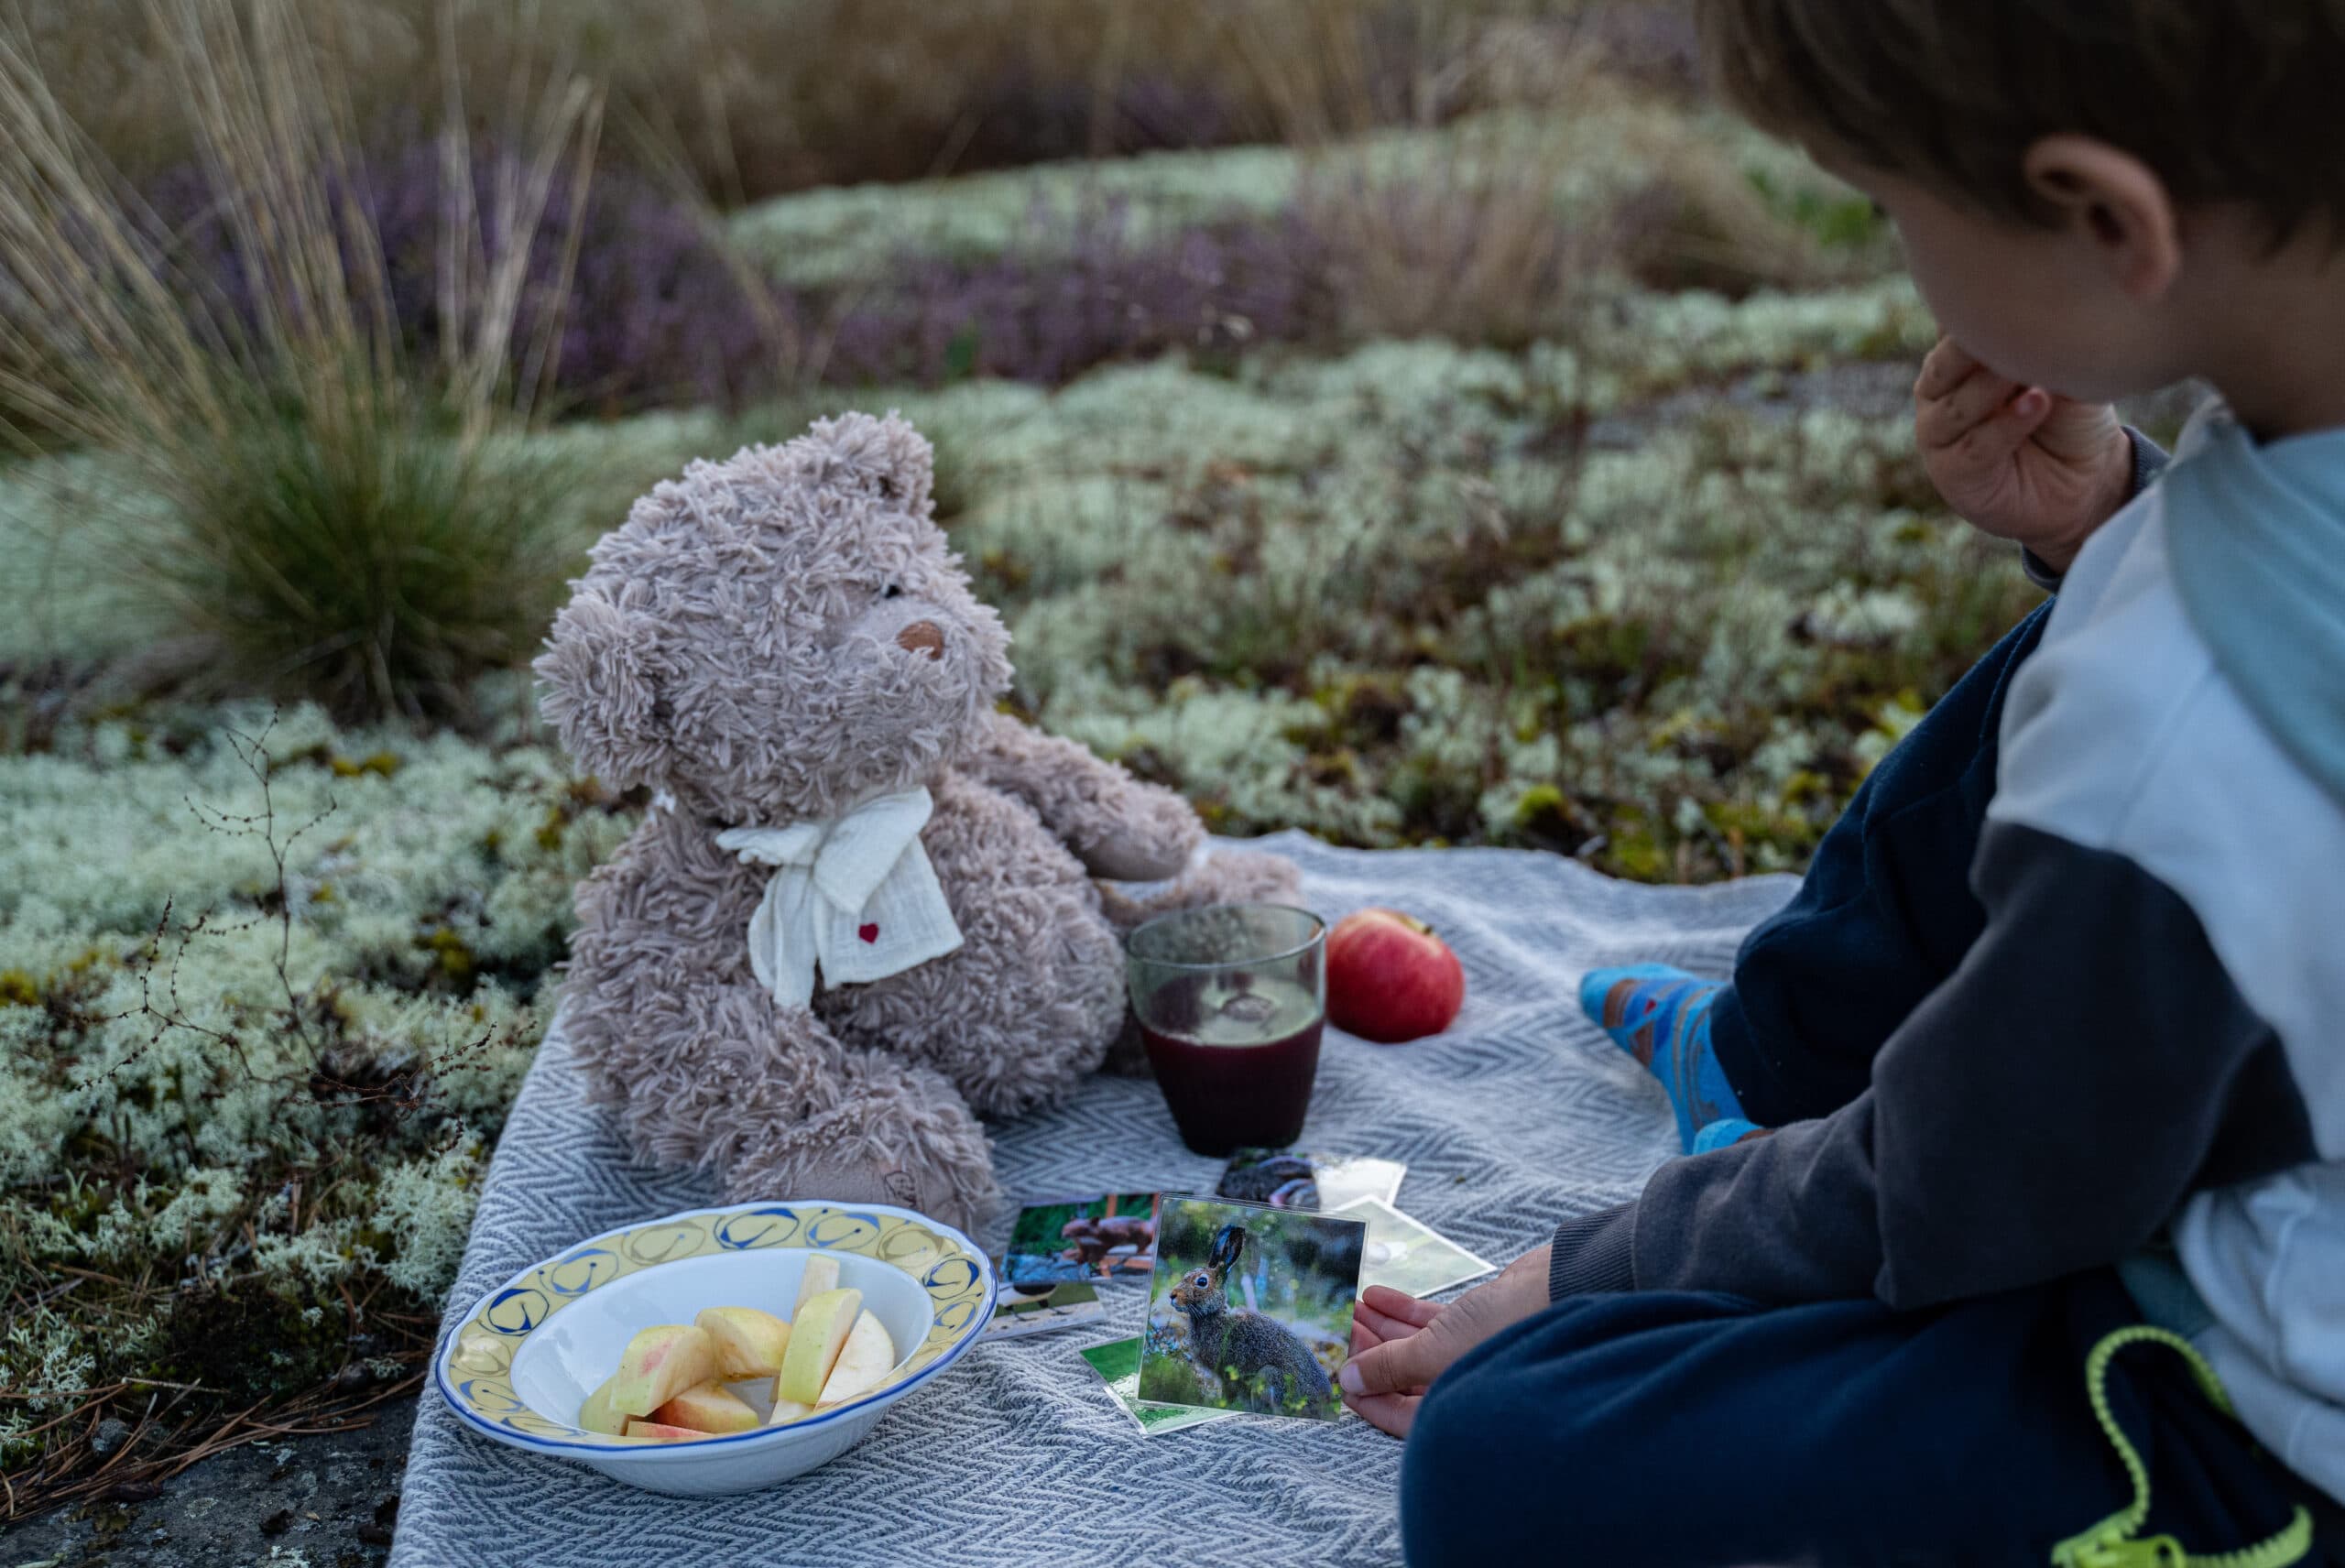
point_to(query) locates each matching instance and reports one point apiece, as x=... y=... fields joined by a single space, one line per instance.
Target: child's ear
x=602 y=692
x=2116 y=201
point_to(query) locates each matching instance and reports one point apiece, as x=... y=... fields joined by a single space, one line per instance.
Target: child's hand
x=1400 y=1345
x=2019 y=463
x=1384 y=1316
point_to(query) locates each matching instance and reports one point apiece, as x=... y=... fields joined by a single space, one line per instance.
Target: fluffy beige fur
x=776 y=637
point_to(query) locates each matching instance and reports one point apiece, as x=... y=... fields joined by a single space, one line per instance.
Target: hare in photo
x=1261 y=1365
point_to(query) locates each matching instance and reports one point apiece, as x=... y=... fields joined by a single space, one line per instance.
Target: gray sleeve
x=2149 y=459
x=2046 y=1109
x=1591 y=1254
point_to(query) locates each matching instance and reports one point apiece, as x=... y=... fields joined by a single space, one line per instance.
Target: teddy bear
x=865 y=907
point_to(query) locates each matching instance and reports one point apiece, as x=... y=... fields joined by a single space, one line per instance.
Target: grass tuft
x=330 y=523
x=374 y=567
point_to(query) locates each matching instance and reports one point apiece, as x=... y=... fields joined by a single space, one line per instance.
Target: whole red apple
x=1390 y=978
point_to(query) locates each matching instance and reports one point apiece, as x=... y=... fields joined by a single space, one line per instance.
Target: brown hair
x=2227 y=99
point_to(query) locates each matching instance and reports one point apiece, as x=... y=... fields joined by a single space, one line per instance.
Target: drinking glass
x=1231 y=1000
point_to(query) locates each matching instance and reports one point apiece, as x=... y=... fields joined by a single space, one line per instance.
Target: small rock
x=278 y=1523
x=108 y=1436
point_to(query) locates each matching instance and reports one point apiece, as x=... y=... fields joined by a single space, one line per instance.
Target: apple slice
x=661 y=1363
x=868 y=1356
x=822 y=1274
x=749 y=1343
x=711 y=1408
x=596 y=1415
x=788 y=1410
x=824 y=1322
x=657 y=1431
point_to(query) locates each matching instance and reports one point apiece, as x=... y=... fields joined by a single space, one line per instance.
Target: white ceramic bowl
x=520 y=1363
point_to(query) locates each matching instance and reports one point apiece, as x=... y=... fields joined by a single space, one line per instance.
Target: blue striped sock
x=1661 y=1016
x=1725 y=1130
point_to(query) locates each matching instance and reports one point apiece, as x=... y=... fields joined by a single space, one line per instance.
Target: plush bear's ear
x=888 y=454
x=601 y=695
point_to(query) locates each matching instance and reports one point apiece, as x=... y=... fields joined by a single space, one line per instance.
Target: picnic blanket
x=1521 y=1115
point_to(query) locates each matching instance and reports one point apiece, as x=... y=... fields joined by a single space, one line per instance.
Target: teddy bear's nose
x=922 y=637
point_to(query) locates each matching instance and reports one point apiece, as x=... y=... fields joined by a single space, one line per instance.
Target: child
x=2052 y=1040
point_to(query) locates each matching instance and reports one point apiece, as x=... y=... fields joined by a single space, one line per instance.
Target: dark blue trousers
x=1681 y=1429
x=1884 y=912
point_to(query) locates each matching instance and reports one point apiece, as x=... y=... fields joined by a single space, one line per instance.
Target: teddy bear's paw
x=940 y=1183
x=1244 y=877
x=829 y=1181
x=1151 y=837
x=1231 y=876
x=896 y=1133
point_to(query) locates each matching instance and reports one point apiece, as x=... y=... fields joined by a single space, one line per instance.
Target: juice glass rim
x=1317 y=936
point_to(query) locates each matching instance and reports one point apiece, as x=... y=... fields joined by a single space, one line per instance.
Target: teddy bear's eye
x=893 y=590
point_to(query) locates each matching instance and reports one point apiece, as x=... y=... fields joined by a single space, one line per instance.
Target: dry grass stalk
x=482 y=280
x=1470 y=243
x=1475 y=242
x=331 y=519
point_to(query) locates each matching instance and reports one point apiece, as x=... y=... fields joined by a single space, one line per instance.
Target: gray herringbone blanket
x=1519 y=1116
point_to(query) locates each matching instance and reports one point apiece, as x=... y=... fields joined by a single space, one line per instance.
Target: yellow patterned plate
x=518 y=1366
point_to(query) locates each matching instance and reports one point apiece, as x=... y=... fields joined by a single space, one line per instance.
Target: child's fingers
x=1382 y=1327
x=1399 y=1304
x=1397 y=1366
x=1992 y=441
x=1393 y=1413
x=1367 y=1336
x=1942 y=421
x=1949 y=364
x=1363 y=1341
x=1405 y=1318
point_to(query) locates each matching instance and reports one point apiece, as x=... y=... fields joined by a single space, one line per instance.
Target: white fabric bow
x=855 y=894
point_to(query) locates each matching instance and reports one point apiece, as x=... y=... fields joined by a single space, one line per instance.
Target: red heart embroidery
x=868 y=933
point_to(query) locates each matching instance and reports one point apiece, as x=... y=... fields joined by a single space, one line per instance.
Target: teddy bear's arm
x=1119 y=827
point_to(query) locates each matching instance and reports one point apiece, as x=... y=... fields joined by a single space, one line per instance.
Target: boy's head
x=2083 y=187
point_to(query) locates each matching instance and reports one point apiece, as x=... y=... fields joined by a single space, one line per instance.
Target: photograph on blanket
x=1106 y=1237
x=1251 y=1307
x=1042 y=1307
x=1408 y=1255
x=1285 y=1178
x=1117 y=1364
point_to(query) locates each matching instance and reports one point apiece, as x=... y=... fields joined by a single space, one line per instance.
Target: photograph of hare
x=1251 y=1307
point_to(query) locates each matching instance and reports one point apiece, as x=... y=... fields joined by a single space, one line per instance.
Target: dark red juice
x=1239 y=1073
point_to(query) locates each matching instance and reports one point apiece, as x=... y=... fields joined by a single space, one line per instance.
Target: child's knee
x=1459 y=1491
x=1490 y=1469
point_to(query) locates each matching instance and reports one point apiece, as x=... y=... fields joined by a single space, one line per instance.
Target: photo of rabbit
x=1251 y=1307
